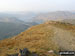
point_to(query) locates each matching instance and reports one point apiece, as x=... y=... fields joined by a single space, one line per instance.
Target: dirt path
x=64 y=39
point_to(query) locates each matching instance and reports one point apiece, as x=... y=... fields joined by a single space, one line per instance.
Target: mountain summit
x=51 y=36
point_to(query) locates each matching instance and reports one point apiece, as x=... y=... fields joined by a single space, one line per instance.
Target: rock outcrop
x=24 y=52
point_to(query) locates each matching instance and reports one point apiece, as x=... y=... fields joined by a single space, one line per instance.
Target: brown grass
x=36 y=39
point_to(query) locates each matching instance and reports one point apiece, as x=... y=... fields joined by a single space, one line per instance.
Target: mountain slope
x=8 y=29
x=11 y=26
x=41 y=39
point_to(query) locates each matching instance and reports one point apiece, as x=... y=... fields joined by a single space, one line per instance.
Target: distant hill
x=23 y=16
x=58 y=15
x=26 y=16
x=10 y=19
x=11 y=26
x=72 y=21
x=52 y=35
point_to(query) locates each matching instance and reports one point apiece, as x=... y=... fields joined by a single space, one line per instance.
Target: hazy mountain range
x=14 y=23
x=24 y=16
x=58 y=15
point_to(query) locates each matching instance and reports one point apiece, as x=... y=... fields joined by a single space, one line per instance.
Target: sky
x=37 y=5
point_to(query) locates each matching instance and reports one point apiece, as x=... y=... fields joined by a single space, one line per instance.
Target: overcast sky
x=36 y=5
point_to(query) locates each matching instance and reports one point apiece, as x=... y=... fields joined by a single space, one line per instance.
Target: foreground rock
x=24 y=52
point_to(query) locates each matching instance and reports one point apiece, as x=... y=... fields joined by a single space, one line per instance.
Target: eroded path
x=64 y=38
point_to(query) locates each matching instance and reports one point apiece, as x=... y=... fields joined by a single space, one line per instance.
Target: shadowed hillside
x=11 y=26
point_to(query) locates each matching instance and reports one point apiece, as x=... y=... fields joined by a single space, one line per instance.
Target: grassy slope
x=37 y=38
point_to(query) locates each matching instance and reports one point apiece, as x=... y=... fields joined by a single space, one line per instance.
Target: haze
x=37 y=5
